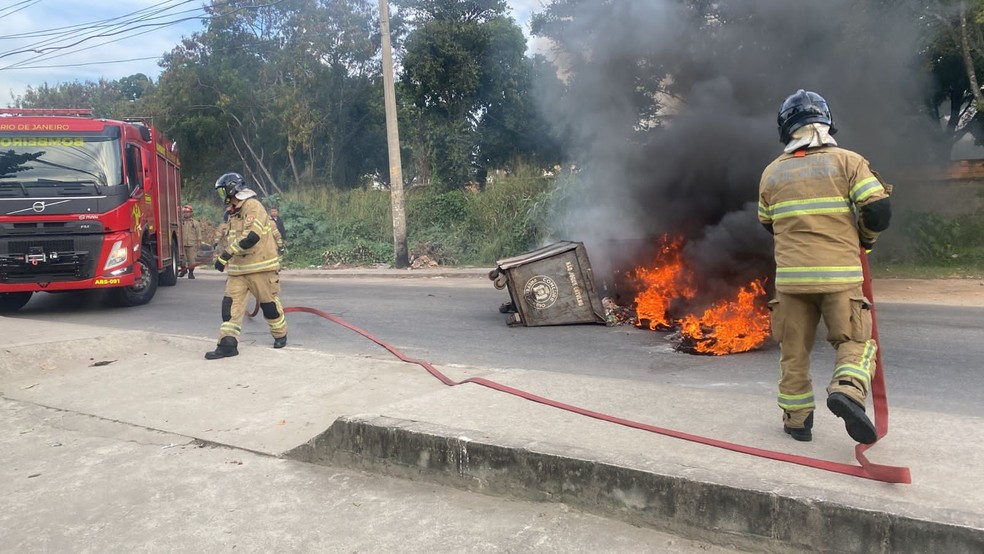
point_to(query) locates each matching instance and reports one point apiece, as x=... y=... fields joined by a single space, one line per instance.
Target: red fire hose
x=867 y=470
x=879 y=399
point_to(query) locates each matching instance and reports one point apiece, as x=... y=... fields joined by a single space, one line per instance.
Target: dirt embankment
x=947 y=292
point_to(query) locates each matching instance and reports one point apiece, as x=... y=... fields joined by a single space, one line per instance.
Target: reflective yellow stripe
x=862 y=370
x=229 y=329
x=277 y=323
x=764 y=211
x=868 y=360
x=281 y=321
x=265 y=265
x=810 y=206
x=793 y=402
x=865 y=188
x=831 y=274
x=851 y=370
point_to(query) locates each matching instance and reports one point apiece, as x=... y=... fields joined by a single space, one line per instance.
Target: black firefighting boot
x=191 y=273
x=858 y=425
x=280 y=342
x=227 y=347
x=805 y=433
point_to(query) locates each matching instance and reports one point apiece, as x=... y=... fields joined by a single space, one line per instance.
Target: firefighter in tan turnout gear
x=253 y=265
x=823 y=204
x=192 y=235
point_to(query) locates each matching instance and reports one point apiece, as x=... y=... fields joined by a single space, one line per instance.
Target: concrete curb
x=371 y=273
x=362 y=273
x=726 y=515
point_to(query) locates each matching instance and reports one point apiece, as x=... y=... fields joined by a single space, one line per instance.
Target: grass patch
x=329 y=227
x=514 y=214
x=911 y=271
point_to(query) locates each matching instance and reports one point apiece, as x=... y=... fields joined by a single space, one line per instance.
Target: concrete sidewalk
x=394 y=418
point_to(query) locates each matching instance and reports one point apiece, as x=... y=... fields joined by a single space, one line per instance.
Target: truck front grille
x=49 y=258
x=24 y=246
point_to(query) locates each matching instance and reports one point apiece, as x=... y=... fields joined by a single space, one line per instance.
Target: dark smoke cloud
x=696 y=172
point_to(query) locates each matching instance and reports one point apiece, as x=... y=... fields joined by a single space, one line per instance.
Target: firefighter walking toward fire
x=192 y=235
x=253 y=264
x=823 y=204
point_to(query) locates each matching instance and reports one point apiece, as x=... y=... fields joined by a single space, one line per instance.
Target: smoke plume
x=693 y=168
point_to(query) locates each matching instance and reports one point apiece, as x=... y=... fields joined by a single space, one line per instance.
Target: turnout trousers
x=847 y=316
x=190 y=256
x=265 y=286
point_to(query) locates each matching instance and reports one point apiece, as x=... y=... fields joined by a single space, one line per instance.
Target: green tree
x=466 y=75
x=953 y=54
x=106 y=98
x=284 y=92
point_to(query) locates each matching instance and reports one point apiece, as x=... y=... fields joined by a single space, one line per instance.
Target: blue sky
x=33 y=53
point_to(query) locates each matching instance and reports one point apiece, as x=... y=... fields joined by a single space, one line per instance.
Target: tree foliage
x=953 y=55
x=466 y=74
x=285 y=92
x=123 y=98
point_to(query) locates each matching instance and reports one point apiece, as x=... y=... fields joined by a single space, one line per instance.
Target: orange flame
x=662 y=284
x=727 y=327
x=730 y=326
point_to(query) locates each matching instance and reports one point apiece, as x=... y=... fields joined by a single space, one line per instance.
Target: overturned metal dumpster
x=552 y=285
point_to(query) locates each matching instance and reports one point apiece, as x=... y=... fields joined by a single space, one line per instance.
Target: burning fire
x=664 y=283
x=729 y=326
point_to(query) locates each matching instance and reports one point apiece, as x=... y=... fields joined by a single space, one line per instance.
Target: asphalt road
x=931 y=354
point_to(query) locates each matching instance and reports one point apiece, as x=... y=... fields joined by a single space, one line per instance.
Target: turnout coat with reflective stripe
x=810 y=198
x=262 y=256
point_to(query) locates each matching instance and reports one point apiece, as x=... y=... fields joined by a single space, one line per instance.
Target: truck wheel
x=12 y=301
x=144 y=289
x=169 y=277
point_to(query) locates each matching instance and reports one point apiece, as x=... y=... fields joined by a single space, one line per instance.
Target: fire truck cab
x=86 y=203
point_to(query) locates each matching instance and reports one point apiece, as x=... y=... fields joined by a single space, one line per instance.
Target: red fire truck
x=86 y=203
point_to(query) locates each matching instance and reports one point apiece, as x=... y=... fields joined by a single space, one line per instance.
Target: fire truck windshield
x=81 y=164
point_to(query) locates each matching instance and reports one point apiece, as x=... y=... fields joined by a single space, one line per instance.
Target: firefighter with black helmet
x=823 y=204
x=253 y=265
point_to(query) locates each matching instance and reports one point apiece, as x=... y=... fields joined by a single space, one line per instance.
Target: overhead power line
x=122 y=27
x=75 y=35
x=102 y=62
x=9 y=10
x=89 y=25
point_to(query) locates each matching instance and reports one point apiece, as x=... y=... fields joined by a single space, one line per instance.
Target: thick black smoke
x=694 y=170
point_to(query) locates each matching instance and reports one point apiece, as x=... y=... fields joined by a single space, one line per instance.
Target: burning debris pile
x=729 y=326
x=618 y=315
x=666 y=298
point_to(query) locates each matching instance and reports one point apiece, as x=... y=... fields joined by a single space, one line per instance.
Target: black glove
x=867 y=246
x=222 y=261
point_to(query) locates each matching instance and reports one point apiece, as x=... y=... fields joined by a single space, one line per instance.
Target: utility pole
x=393 y=144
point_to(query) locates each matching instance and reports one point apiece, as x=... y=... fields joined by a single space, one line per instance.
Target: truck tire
x=144 y=289
x=169 y=277
x=12 y=301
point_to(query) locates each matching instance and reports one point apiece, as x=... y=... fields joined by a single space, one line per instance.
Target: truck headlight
x=117 y=255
